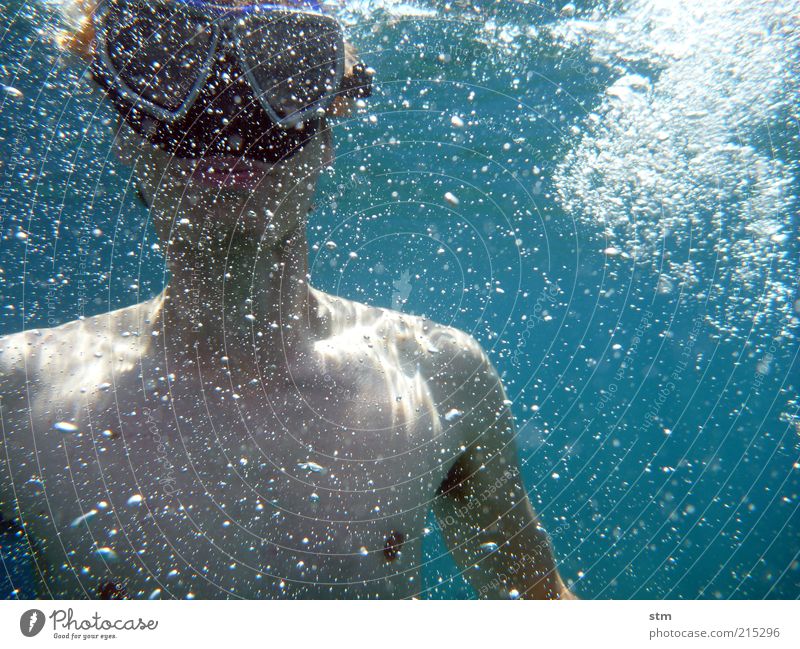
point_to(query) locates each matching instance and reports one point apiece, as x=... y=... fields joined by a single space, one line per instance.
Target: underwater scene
x=601 y=195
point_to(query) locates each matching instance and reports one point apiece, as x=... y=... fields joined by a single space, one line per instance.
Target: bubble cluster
x=682 y=162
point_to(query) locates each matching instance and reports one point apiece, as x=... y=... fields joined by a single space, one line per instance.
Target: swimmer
x=243 y=434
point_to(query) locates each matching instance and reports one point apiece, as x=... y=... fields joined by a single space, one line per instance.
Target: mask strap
x=357 y=84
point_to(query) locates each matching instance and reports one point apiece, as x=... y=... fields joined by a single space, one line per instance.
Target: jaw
x=233 y=207
x=215 y=195
x=225 y=172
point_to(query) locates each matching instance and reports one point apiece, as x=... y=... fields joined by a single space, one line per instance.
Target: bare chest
x=315 y=491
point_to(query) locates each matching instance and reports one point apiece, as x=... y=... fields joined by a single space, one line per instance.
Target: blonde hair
x=76 y=35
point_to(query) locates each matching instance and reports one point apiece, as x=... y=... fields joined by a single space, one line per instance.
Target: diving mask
x=202 y=79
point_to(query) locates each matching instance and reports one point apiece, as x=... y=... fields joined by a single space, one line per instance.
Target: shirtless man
x=243 y=434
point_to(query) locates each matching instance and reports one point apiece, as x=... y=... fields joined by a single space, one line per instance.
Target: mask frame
x=229 y=25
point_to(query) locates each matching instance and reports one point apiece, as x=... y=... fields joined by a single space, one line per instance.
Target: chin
x=224 y=172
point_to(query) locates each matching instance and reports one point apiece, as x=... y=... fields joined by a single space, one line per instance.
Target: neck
x=248 y=302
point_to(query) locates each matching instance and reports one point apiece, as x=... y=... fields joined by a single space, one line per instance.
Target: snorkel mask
x=200 y=80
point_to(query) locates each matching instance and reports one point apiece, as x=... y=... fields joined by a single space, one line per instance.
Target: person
x=243 y=434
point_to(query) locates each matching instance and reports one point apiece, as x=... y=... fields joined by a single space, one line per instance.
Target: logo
x=31 y=622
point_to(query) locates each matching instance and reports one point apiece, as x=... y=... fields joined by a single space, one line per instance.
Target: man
x=243 y=434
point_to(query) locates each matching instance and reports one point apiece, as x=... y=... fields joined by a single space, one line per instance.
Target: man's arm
x=482 y=508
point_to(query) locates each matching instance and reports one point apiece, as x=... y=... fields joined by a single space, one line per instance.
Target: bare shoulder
x=58 y=360
x=438 y=348
x=453 y=365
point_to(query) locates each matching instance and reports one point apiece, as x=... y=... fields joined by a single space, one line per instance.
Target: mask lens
x=157 y=51
x=294 y=60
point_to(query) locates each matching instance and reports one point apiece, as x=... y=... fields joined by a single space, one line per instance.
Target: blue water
x=613 y=219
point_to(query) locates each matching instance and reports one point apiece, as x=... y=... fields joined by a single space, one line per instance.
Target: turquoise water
x=604 y=197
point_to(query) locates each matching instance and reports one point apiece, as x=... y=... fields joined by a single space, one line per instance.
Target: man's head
x=227 y=102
